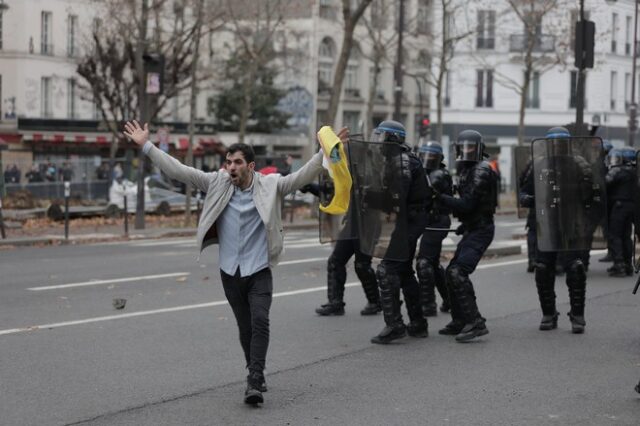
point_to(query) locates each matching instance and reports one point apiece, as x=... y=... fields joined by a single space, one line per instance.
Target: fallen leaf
x=119 y=303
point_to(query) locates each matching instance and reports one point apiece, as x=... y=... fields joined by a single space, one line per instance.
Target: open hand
x=133 y=131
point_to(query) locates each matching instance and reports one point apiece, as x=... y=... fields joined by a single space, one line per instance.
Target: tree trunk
x=338 y=78
x=193 y=108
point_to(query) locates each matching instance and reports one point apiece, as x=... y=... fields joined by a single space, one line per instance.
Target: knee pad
x=576 y=271
x=424 y=268
x=387 y=279
x=455 y=277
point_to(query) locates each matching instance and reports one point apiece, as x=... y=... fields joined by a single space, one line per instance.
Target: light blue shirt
x=242 y=235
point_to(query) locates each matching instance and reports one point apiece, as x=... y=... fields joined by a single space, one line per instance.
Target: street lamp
x=633 y=122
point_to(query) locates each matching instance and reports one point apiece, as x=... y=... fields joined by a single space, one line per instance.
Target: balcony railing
x=541 y=44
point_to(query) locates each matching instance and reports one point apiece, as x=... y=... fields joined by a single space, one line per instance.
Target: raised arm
x=169 y=165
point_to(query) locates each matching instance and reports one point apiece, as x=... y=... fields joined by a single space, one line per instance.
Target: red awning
x=183 y=143
x=8 y=138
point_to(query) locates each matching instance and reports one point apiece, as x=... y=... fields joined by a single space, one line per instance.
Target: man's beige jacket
x=268 y=192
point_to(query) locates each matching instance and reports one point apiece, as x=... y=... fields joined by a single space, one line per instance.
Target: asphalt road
x=171 y=356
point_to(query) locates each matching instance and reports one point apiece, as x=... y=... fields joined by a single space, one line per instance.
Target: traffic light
x=425 y=122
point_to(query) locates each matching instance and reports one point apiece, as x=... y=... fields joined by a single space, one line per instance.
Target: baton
x=439 y=229
x=635 y=289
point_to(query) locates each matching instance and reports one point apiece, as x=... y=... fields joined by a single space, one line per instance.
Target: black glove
x=460 y=230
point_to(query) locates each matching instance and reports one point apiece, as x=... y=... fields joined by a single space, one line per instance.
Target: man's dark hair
x=246 y=150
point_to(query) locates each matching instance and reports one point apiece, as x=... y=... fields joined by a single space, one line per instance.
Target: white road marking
x=295 y=262
x=201 y=305
x=115 y=280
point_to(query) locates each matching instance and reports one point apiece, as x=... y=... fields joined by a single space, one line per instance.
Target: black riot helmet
x=431 y=155
x=559 y=138
x=469 y=146
x=389 y=131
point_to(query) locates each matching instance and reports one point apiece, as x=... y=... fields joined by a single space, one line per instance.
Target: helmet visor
x=431 y=160
x=468 y=151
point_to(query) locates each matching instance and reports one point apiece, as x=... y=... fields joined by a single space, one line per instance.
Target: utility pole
x=581 y=73
x=633 y=108
x=144 y=108
x=398 y=74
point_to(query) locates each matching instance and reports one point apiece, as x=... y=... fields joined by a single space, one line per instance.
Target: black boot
x=628 y=269
x=618 y=270
x=577 y=283
x=253 y=395
x=331 y=308
x=545 y=281
x=418 y=328
x=531 y=267
x=371 y=309
x=472 y=331
x=453 y=328
x=336 y=276
x=370 y=286
x=390 y=298
x=549 y=322
x=607 y=258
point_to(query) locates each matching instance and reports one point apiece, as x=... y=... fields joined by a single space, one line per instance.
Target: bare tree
x=543 y=45
x=254 y=28
x=110 y=72
x=350 y=19
x=381 y=41
x=446 y=36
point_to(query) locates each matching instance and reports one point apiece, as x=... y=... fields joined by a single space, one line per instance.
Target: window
x=325 y=65
x=327 y=11
x=533 y=94
x=484 y=88
x=627 y=90
x=532 y=29
x=72 y=26
x=379 y=87
x=45 y=97
x=422 y=19
x=46 y=46
x=614 y=89
x=1 y=19
x=351 y=74
x=378 y=18
x=351 y=119
x=486 y=29
x=71 y=98
x=628 y=37
x=97 y=114
x=614 y=32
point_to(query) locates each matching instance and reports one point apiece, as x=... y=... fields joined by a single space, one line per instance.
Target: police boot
x=253 y=395
x=544 y=283
x=456 y=324
x=607 y=258
x=370 y=286
x=441 y=285
x=390 y=299
x=472 y=330
x=417 y=326
x=462 y=291
x=628 y=269
x=618 y=270
x=426 y=281
x=335 y=291
x=577 y=283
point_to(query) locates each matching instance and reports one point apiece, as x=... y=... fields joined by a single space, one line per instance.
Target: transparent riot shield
x=569 y=191
x=334 y=227
x=636 y=216
x=379 y=199
x=522 y=158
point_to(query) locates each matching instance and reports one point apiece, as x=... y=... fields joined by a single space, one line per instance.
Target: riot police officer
x=607 y=147
x=621 y=184
x=394 y=274
x=475 y=207
x=430 y=272
x=562 y=170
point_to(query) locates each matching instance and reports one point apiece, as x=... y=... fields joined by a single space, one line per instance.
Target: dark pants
x=532 y=239
x=395 y=275
x=430 y=273
x=470 y=250
x=620 y=238
x=576 y=279
x=250 y=299
x=337 y=271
